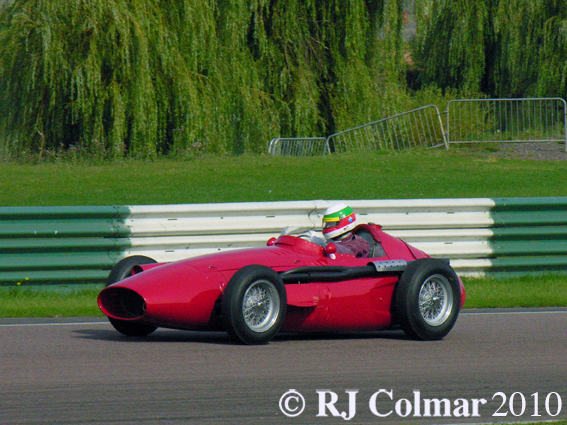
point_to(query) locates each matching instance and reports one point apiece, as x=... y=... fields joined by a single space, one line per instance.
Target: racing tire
x=121 y=271
x=254 y=305
x=427 y=299
x=123 y=268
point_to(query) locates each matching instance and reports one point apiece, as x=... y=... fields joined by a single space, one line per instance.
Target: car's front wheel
x=121 y=271
x=254 y=305
x=427 y=299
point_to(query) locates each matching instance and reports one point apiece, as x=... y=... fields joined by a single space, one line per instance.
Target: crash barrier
x=303 y=146
x=466 y=121
x=507 y=120
x=72 y=245
x=61 y=244
x=421 y=127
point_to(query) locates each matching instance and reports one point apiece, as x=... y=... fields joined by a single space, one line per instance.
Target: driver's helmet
x=338 y=220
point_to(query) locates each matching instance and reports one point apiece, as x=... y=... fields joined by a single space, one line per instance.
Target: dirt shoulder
x=542 y=151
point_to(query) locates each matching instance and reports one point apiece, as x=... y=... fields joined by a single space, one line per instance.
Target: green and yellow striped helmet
x=337 y=220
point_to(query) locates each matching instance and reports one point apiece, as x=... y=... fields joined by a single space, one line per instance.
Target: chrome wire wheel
x=435 y=300
x=261 y=306
x=254 y=304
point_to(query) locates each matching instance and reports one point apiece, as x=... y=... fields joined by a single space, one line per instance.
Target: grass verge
x=527 y=291
x=531 y=291
x=31 y=302
x=417 y=174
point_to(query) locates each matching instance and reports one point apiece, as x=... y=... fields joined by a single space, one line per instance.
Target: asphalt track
x=81 y=371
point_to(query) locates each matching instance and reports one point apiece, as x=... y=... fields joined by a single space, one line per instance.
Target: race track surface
x=81 y=371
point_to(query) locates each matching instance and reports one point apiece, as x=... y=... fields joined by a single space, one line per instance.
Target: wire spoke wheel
x=435 y=300
x=254 y=304
x=427 y=299
x=260 y=306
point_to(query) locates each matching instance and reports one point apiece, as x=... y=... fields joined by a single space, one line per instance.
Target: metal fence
x=421 y=127
x=467 y=121
x=507 y=120
x=60 y=244
x=298 y=146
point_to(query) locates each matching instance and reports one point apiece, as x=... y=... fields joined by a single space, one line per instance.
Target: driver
x=338 y=222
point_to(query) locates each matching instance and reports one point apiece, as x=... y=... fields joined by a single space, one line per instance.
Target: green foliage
x=146 y=77
x=553 y=63
x=139 y=79
x=504 y=48
x=451 y=42
x=519 y=28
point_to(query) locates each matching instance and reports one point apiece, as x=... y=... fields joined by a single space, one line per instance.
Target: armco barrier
x=60 y=244
x=70 y=245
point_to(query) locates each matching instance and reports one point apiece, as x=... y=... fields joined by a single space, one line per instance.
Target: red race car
x=295 y=283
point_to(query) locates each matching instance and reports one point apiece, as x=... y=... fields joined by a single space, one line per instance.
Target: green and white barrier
x=72 y=245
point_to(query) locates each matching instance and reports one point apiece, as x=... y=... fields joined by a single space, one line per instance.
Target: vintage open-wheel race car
x=296 y=283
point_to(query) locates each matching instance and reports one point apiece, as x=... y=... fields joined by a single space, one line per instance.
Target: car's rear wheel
x=427 y=299
x=121 y=271
x=254 y=305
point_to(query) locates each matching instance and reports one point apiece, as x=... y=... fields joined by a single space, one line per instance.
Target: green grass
x=396 y=175
x=30 y=302
x=548 y=290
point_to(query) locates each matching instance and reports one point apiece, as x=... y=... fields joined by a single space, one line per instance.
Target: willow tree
x=504 y=48
x=532 y=40
x=144 y=77
x=304 y=67
x=368 y=75
x=519 y=26
x=81 y=72
x=552 y=79
x=451 y=42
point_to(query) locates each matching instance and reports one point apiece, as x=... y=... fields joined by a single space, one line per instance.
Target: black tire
x=427 y=299
x=121 y=271
x=123 y=268
x=266 y=316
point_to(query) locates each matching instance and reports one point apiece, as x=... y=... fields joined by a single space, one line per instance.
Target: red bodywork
x=186 y=294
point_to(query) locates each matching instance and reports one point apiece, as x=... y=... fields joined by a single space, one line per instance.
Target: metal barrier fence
x=507 y=120
x=298 y=146
x=60 y=244
x=421 y=127
x=75 y=245
x=467 y=121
